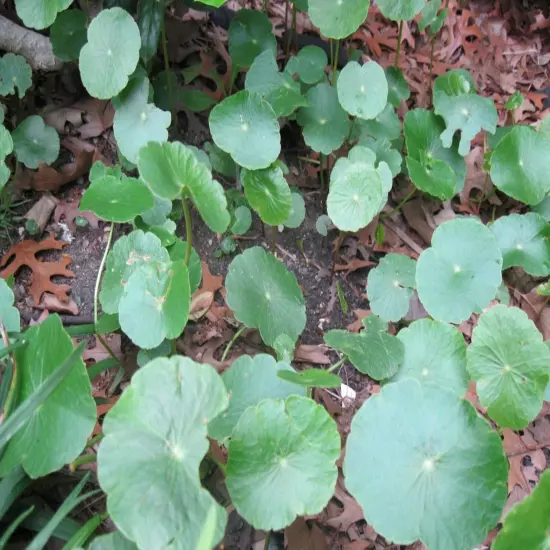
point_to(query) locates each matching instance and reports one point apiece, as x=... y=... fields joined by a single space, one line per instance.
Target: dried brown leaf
x=68 y=211
x=300 y=536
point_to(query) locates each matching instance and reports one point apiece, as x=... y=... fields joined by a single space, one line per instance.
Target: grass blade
x=11 y=487
x=13 y=526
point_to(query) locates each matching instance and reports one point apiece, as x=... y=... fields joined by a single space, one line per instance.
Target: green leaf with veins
x=250 y=33
x=424 y=465
x=15 y=73
x=263 y=294
x=385 y=152
x=430 y=17
x=112 y=541
x=128 y=254
x=155 y=303
x=357 y=155
x=196 y=100
x=312 y=378
x=514 y=101
x=68 y=34
x=527 y=524
x=354 y=197
x=280 y=90
x=220 y=160
x=171 y=169
x=270 y=447
x=325 y=124
x=111 y=53
x=249 y=381
x=544 y=127
x=136 y=121
x=150 y=21
x=40 y=14
x=390 y=286
x=57 y=431
x=268 y=193
x=161 y=93
x=158 y=214
x=434 y=169
x=148 y=464
x=107 y=198
x=363 y=89
x=461 y=273
x=177 y=251
x=518 y=165
x=338 y=19
x=245 y=126
x=462 y=109
x=435 y=353
x=398 y=89
x=372 y=351
x=542 y=208
x=309 y=64
x=509 y=363
x=386 y=125
x=242 y=220
x=34 y=142
x=9 y=315
x=6 y=148
x=524 y=240
x=297 y=211
x=400 y=10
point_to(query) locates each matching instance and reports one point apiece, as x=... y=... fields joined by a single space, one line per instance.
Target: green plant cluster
x=421 y=461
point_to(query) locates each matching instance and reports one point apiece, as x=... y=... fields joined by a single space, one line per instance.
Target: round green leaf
x=270 y=447
x=177 y=251
x=524 y=240
x=68 y=34
x=542 y=208
x=137 y=122
x=386 y=125
x=462 y=109
x=325 y=124
x=518 y=165
x=398 y=89
x=148 y=464
x=323 y=224
x=423 y=465
x=34 y=142
x=390 y=286
x=338 y=19
x=310 y=64
x=112 y=541
x=297 y=212
x=250 y=33
x=527 y=525
x=15 y=72
x=435 y=353
x=57 y=431
x=263 y=294
x=111 y=54
x=155 y=303
x=385 y=152
x=220 y=160
x=250 y=380
x=278 y=89
x=158 y=215
x=461 y=272
x=400 y=10
x=108 y=198
x=128 y=254
x=372 y=351
x=40 y=14
x=6 y=147
x=437 y=170
x=354 y=197
x=312 y=378
x=509 y=363
x=268 y=193
x=245 y=126
x=363 y=89
x=9 y=315
x=243 y=220
x=171 y=169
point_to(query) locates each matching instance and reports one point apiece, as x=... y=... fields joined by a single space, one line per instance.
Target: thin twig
x=231 y=342
x=188 y=230
x=338 y=365
x=101 y=266
x=530 y=449
x=399 y=206
x=398 y=49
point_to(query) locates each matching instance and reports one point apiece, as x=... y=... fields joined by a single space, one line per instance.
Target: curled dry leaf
x=200 y=304
x=68 y=211
x=351 y=512
x=52 y=304
x=24 y=254
x=306 y=353
x=300 y=536
x=98 y=352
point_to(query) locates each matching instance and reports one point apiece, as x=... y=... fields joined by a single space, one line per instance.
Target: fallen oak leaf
x=210 y=282
x=300 y=536
x=24 y=254
x=351 y=511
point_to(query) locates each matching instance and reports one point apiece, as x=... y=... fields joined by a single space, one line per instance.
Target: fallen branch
x=34 y=47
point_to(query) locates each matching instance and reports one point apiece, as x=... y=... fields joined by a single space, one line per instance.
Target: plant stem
x=351 y=126
x=188 y=231
x=432 y=47
x=322 y=177
x=218 y=463
x=266 y=3
x=84 y=459
x=231 y=342
x=101 y=266
x=307 y=159
x=273 y=243
x=267 y=539
x=167 y=70
x=174 y=347
x=109 y=350
x=96 y=439
x=338 y=365
x=398 y=49
x=400 y=205
x=334 y=60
